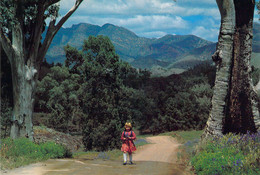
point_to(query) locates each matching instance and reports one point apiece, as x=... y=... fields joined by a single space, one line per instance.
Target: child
x=128 y=145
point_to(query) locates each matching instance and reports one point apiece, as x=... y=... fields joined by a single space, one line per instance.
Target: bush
x=58 y=94
x=230 y=154
x=181 y=102
x=5 y=120
x=22 y=151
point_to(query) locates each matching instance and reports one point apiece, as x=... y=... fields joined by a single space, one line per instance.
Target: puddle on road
x=100 y=167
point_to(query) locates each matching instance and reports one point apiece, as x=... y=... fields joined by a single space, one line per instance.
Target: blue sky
x=150 y=18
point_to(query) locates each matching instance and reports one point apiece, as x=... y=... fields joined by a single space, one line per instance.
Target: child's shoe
x=131 y=163
x=124 y=163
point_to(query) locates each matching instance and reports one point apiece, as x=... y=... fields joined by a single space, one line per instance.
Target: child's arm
x=134 y=136
x=122 y=136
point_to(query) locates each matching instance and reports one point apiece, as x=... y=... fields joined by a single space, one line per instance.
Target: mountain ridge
x=141 y=52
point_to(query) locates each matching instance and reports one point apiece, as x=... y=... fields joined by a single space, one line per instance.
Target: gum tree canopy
x=235 y=104
x=22 y=24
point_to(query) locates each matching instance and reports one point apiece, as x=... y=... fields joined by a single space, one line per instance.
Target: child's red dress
x=128 y=145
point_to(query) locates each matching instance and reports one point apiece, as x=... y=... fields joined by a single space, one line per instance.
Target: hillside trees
x=234 y=103
x=107 y=102
x=111 y=92
x=21 y=26
x=103 y=119
x=182 y=101
x=94 y=93
x=58 y=94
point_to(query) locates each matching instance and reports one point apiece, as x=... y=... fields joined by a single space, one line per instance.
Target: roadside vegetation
x=230 y=154
x=22 y=151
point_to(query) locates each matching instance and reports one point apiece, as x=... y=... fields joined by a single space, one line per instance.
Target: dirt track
x=161 y=149
x=157 y=158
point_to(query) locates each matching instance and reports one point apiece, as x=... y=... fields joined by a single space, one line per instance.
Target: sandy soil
x=161 y=149
x=157 y=158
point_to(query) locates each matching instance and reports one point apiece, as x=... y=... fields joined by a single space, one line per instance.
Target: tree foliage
x=182 y=101
x=102 y=89
x=108 y=102
x=58 y=93
x=107 y=92
x=26 y=14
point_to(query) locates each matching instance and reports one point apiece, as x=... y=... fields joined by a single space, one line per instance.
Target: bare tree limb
x=52 y=30
x=6 y=44
x=36 y=38
x=70 y=12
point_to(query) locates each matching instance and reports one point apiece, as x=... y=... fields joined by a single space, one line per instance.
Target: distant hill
x=128 y=45
x=171 y=53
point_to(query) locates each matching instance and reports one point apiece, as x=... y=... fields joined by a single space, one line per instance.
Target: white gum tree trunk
x=25 y=59
x=234 y=102
x=23 y=101
x=23 y=78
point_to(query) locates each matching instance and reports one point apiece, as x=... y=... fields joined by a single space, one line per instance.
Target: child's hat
x=128 y=124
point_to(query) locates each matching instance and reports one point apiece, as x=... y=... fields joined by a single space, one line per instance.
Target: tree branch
x=6 y=44
x=36 y=38
x=49 y=3
x=52 y=30
x=70 y=12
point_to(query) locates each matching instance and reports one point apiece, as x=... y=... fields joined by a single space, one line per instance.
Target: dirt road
x=161 y=149
x=157 y=158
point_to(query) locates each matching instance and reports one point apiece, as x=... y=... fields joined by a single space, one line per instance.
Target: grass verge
x=230 y=154
x=22 y=151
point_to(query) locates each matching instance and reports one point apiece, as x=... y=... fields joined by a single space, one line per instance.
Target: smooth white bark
x=222 y=58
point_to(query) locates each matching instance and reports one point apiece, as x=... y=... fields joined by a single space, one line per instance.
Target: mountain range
x=163 y=56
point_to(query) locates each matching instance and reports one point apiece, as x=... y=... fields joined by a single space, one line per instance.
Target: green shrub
x=22 y=151
x=53 y=150
x=230 y=154
x=5 y=119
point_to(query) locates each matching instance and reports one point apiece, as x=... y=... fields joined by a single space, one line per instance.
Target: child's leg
x=130 y=157
x=125 y=156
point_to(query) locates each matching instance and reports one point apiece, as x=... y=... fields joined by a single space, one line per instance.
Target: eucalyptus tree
x=22 y=24
x=234 y=102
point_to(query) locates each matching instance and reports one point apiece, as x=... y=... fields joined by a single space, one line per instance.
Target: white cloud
x=155 y=22
x=154 y=34
x=209 y=33
x=139 y=7
x=120 y=6
x=198 y=2
x=146 y=17
x=138 y=24
x=256 y=16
